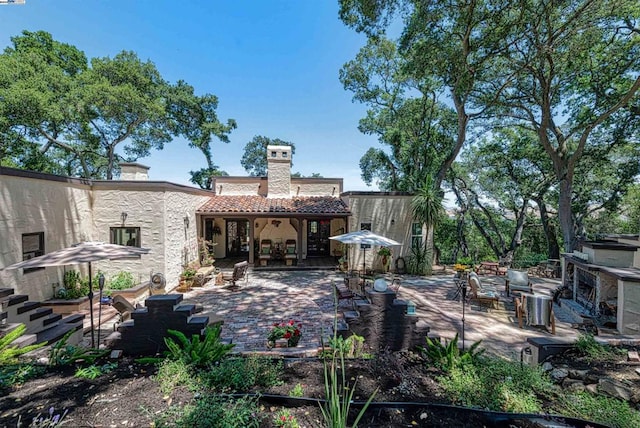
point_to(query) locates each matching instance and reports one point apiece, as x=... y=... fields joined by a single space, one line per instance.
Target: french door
x=318 y=232
x=237 y=237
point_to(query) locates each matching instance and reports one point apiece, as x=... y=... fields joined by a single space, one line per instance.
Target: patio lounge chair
x=518 y=280
x=124 y=308
x=480 y=292
x=239 y=272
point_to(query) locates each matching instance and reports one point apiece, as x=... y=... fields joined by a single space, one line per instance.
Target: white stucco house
x=40 y=213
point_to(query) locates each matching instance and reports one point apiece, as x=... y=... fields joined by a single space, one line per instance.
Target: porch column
x=300 y=261
x=252 y=230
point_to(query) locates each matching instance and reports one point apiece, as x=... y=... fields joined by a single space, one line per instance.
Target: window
x=273 y=154
x=32 y=246
x=416 y=235
x=284 y=154
x=126 y=236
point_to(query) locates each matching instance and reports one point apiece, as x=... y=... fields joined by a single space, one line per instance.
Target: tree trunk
x=565 y=217
x=553 y=249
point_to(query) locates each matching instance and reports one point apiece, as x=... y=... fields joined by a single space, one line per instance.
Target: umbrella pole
x=93 y=337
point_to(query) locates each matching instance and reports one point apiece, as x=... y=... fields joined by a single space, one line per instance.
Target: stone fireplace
x=604 y=281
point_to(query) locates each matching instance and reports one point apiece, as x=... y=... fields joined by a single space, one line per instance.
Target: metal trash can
x=538 y=310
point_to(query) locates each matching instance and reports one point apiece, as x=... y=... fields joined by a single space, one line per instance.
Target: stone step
x=5 y=293
x=57 y=332
x=16 y=299
x=40 y=312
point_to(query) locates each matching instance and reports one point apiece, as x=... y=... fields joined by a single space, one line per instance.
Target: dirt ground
x=130 y=397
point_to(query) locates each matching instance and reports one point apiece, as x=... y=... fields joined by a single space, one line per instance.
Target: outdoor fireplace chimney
x=278 y=171
x=131 y=171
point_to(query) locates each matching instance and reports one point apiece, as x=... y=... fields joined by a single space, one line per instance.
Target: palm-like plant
x=427 y=208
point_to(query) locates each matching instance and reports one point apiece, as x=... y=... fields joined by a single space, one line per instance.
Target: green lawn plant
x=214 y=411
x=197 y=352
x=448 y=356
x=608 y=411
x=9 y=352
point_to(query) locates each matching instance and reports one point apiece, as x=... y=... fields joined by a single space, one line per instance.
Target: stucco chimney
x=133 y=171
x=278 y=171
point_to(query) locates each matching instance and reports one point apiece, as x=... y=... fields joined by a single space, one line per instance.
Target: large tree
x=577 y=67
x=195 y=118
x=254 y=159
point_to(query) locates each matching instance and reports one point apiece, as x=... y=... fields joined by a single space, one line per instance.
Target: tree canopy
x=254 y=159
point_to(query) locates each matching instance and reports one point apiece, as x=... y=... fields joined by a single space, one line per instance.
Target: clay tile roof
x=260 y=204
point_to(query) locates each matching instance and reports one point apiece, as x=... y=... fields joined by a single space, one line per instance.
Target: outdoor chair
x=518 y=280
x=124 y=308
x=240 y=271
x=481 y=292
x=265 y=252
x=290 y=255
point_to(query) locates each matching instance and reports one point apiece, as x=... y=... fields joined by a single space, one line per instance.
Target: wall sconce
x=123 y=216
x=257 y=224
x=393 y=222
x=186 y=222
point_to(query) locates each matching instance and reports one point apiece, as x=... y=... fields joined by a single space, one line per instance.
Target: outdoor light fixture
x=186 y=222
x=411 y=308
x=464 y=300
x=123 y=216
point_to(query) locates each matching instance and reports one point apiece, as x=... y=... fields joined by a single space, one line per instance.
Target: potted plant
x=187 y=276
x=284 y=333
x=385 y=254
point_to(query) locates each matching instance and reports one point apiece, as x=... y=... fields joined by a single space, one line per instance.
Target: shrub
x=63 y=354
x=16 y=374
x=497 y=384
x=243 y=373
x=198 y=352
x=592 y=350
x=212 y=411
x=174 y=373
x=297 y=391
x=448 y=356
x=9 y=353
x=121 y=281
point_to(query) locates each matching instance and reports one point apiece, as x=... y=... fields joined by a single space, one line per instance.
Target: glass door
x=318 y=237
x=237 y=238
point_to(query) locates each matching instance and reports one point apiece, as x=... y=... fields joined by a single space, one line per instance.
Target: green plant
x=418 y=261
x=16 y=374
x=213 y=411
x=497 y=384
x=338 y=392
x=74 y=286
x=285 y=419
x=93 y=371
x=242 y=373
x=604 y=410
x=467 y=261
x=189 y=272
x=384 y=251
x=292 y=331
x=121 y=281
x=351 y=347
x=176 y=373
x=9 y=353
x=447 y=356
x=50 y=420
x=62 y=354
x=593 y=350
x=197 y=352
x=297 y=391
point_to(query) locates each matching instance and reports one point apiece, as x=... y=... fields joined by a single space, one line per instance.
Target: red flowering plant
x=285 y=330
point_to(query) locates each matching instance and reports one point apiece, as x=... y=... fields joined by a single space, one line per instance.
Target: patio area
x=306 y=296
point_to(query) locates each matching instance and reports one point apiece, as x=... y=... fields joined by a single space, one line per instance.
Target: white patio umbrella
x=84 y=252
x=365 y=237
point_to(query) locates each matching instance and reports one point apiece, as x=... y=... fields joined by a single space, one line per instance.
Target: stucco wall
x=379 y=210
x=279 y=181
x=607 y=257
x=316 y=187
x=628 y=303
x=256 y=186
x=63 y=211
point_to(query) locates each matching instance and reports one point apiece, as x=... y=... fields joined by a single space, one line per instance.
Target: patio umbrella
x=365 y=237
x=84 y=252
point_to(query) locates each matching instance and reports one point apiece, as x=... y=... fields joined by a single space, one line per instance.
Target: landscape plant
x=297 y=391
x=242 y=373
x=214 y=411
x=593 y=350
x=52 y=419
x=198 y=351
x=63 y=354
x=608 y=411
x=448 y=356
x=121 y=281
x=95 y=371
x=290 y=330
x=284 y=419
x=9 y=352
x=176 y=373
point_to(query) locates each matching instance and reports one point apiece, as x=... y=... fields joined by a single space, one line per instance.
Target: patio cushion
x=266 y=250
x=518 y=278
x=291 y=250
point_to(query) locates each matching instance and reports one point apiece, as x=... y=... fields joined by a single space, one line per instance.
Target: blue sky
x=273 y=65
